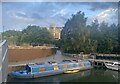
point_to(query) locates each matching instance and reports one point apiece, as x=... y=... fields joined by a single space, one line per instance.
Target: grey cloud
x=29 y=15
x=36 y=16
x=21 y=14
x=102 y=5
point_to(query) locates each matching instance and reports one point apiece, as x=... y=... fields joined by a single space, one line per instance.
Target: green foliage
x=37 y=35
x=77 y=36
x=11 y=36
x=33 y=35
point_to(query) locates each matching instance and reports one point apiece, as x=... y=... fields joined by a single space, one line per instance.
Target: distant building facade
x=56 y=31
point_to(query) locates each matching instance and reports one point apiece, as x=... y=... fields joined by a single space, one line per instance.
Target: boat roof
x=38 y=65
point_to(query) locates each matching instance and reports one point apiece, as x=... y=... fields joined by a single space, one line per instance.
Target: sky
x=18 y=15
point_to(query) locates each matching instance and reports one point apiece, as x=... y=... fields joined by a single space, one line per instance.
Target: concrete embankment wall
x=16 y=55
x=26 y=54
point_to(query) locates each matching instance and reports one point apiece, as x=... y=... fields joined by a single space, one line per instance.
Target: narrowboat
x=51 y=68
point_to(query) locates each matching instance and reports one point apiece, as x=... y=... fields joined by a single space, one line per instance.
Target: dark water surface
x=93 y=75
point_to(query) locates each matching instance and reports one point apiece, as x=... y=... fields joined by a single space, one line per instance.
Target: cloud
x=61 y=12
x=19 y=15
x=109 y=15
x=102 y=5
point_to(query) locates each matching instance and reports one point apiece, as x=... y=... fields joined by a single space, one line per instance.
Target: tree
x=108 y=38
x=36 y=35
x=11 y=36
x=33 y=35
x=75 y=34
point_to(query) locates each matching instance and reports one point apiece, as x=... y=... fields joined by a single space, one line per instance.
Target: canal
x=93 y=75
x=96 y=74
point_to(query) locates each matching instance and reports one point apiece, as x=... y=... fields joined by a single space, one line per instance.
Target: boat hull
x=43 y=74
x=111 y=66
x=36 y=75
x=36 y=71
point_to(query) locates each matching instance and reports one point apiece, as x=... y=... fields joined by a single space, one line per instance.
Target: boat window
x=51 y=62
x=56 y=67
x=75 y=60
x=74 y=65
x=87 y=64
x=40 y=63
x=42 y=69
x=65 y=66
x=66 y=60
x=83 y=65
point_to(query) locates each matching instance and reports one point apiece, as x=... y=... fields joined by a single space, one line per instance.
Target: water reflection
x=56 y=78
x=93 y=75
x=111 y=73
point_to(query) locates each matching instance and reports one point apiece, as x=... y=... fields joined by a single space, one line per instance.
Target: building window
x=42 y=69
x=65 y=66
x=56 y=67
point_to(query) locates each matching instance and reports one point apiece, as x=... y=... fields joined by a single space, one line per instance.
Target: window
x=83 y=65
x=42 y=69
x=74 y=65
x=55 y=67
x=65 y=66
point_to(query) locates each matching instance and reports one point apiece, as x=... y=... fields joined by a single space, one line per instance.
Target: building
x=4 y=61
x=56 y=31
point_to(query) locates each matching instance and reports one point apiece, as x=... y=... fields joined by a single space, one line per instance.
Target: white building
x=4 y=61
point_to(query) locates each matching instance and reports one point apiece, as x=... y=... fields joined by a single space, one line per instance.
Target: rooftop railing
x=4 y=61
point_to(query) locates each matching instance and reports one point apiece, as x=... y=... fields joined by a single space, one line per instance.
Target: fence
x=4 y=61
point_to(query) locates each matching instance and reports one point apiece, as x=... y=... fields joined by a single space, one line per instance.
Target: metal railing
x=4 y=61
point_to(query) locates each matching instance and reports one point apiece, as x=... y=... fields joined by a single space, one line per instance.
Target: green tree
x=11 y=36
x=75 y=34
x=36 y=35
x=108 y=38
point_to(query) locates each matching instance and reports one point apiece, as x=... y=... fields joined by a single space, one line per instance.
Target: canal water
x=93 y=75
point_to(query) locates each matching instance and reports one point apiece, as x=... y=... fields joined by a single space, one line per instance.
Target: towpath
x=57 y=57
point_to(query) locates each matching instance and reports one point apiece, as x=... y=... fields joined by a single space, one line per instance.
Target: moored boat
x=51 y=68
x=72 y=71
x=112 y=65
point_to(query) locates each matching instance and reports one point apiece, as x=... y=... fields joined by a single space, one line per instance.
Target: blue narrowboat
x=51 y=68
